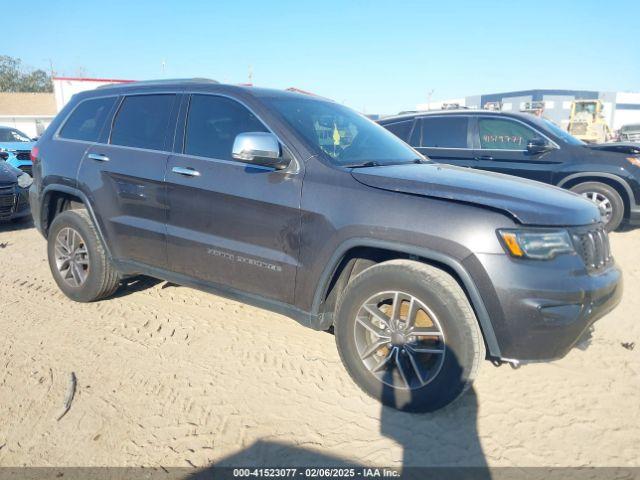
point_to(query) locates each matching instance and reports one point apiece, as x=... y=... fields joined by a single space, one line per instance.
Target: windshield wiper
x=374 y=163
x=365 y=164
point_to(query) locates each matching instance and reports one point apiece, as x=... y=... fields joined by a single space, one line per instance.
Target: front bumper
x=14 y=204
x=542 y=308
x=634 y=216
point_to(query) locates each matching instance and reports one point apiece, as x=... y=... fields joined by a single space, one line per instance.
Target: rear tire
x=412 y=379
x=78 y=260
x=608 y=200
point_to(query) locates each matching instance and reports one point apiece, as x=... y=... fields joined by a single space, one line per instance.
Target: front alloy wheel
x=407 y=335
x=399 y=340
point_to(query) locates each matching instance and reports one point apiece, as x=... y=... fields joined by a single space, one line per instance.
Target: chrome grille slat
x=594 y=248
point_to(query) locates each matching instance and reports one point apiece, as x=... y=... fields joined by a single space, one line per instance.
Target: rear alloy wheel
x=71 y=257
x=607 y=199
x=77 y=258
x=408 y=336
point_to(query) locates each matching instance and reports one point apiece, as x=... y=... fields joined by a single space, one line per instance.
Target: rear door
x=444 y=139
x=230 y=223
x=124 y=177
x=501 y=146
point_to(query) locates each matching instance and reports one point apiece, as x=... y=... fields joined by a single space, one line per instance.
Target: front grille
x=593 y=246
x=23 y=154
x=27 y=169
x=7 y=201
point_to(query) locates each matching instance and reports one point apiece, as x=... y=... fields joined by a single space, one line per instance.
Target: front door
x=230 y=223
x=125 y=176
x=444 y=139
x=502 y=147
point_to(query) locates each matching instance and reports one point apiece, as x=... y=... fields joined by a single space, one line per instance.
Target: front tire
x=407 y=335
x=77 y=258
x=607 y=199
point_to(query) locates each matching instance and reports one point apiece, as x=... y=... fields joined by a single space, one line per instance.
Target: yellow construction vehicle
x=587 y=122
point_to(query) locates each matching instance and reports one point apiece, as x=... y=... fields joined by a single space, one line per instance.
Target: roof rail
x=161 y=82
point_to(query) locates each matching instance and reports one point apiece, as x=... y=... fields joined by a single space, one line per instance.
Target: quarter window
x=444 y=132
x=213 y=124
x=87 y=120
x=402 y=130
x=500 y=134
x=143 y=121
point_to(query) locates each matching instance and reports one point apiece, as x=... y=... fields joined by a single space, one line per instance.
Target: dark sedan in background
x=530 y=147
x=14 y=193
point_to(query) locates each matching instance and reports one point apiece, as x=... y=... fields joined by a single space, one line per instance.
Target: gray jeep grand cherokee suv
x=304 y=207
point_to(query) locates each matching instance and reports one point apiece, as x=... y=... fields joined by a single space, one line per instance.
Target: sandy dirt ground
x=170 y=376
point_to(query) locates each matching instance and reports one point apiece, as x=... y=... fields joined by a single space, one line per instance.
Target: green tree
x=16 y=78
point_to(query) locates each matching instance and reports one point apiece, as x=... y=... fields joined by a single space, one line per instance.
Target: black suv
x=527 y=146
x=304 y=207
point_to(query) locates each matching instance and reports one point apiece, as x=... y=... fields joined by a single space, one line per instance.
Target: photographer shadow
x=444 y=442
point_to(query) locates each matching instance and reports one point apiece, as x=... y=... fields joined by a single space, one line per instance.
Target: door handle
x=189 y=172
x=98 y=157
x=483 y=157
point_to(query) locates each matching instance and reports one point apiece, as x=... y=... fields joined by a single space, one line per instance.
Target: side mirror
x=259 y=148
x=537 y=146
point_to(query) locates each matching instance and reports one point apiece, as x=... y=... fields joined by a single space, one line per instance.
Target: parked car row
x=14 y=193
x=15 y=174
x=529 y=147
x=300 y=205
x=15 y=148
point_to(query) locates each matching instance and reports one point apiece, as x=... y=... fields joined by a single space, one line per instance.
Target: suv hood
x=529 y=202
x=618 y=147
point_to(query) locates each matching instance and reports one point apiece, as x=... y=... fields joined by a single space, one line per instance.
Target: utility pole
x=250 y=75
x=429 y=95
x=162 y=66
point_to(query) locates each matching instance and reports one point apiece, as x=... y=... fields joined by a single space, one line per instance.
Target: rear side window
x=213 y=124
x=500 y=134
x=444 y=132
x=142 y=121
x=402 y=130
x=86 y=121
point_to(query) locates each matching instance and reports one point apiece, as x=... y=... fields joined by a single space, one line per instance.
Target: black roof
x=203 y=84
x=427 y=113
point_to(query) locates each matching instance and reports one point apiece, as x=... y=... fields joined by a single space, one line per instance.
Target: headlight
x=25 y=180
x=536 y=244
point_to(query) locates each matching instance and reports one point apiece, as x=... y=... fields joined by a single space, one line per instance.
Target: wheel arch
x=58 y=198
x=614 y=181
x=356 y=254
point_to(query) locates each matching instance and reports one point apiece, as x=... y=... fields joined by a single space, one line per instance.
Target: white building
x=30 y=113
x=66 y=87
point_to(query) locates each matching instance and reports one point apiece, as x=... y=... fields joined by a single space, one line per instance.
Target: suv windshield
x=345 y=137
x=562 y=134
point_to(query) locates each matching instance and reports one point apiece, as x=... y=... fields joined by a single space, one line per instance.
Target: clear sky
x=377 y=57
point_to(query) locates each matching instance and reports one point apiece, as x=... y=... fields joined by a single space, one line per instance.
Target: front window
x=501 y=134
x=341 y=135
x=213 y=124
x=12 y=135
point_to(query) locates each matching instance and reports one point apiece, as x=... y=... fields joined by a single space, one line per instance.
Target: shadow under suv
x=300 y=205
x=530 y=147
